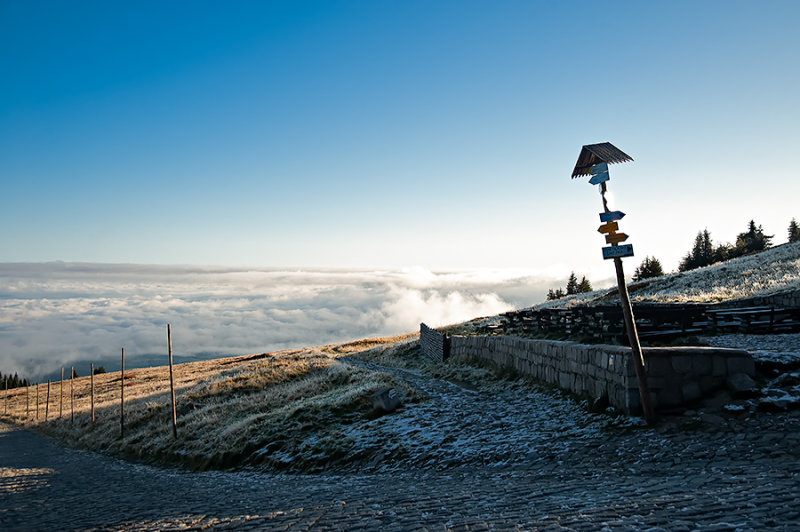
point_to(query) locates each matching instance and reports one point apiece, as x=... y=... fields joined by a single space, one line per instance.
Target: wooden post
x=172 y=385
x=91 y=372
x=37 y=401
x=47 y=404
x=27 y=401
x=633 y=338
x=72 y=395
x=122 y=397
x=630 y=327
x=61 y=400
x=6 y=407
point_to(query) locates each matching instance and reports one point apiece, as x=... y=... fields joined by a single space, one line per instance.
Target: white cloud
x=52 y=314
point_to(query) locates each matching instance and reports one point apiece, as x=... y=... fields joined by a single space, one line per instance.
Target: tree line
x=703 y=253
x=8 y=382
x=573 y=287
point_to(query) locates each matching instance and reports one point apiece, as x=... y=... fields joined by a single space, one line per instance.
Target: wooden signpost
x=615 y=238
x=593 y=161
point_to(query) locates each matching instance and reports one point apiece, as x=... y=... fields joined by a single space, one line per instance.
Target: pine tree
x=702 y=253
x=572 y=284
x=650 y=267
x=584 y=286
x=753 y=240
x=794 y=231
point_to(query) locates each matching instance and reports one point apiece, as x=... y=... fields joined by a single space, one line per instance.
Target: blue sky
x=364 y=134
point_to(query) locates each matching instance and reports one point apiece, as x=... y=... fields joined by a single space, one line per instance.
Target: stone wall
x=676 y=375
x=787 y=299
x=435 y=345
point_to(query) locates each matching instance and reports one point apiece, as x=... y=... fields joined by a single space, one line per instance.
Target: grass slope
x=283 y=410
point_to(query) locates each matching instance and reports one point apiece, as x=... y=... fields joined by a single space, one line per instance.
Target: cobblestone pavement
x=706 y=472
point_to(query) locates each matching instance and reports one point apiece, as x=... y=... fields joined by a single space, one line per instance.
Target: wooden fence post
x=27 y=401
x=61 y=403
x=91 y=372
x=47 y=404
x=6 y=407
x=37 y=401
x=122 y=397
x=72 y=395
x=172 y=385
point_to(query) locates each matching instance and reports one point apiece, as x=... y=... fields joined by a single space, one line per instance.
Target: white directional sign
x=611 y=252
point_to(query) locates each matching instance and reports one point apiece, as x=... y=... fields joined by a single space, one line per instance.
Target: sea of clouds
x=54 y=314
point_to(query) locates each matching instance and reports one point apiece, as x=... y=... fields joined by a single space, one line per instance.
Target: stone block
x=718 y=366
x=701 y=364
x=656 y=383
x=691 y=391
x=386 y=400
x=709 y=383
x=741 y=364
x=741 y=385
x=658 y=366
x=670 y=396
x=682 y=364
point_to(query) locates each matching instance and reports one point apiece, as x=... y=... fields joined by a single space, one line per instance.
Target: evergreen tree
x=553 y=295
x=98 y=370
x=572 y=284
x=702 y=253
x=584 y=286
x=752 y=240
x=74 y=374
x=650 y=267
x=794 y=231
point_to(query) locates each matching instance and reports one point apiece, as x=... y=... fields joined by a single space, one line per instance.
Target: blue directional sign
x=611 y=252
x=599 y=178
x=611 y=216
x=599 y=168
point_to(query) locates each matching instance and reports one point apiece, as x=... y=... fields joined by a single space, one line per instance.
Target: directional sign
x=608 y=227
x=599 y=178
x=616 y=238
x=599 y=168
x=611 y=216
x=625 y=250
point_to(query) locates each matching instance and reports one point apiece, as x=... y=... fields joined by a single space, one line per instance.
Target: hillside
x=762 y=274
x=310 y=409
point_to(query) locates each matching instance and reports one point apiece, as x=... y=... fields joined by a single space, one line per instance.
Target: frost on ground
x=777 y=348
x=779 y=356
x=761 y=274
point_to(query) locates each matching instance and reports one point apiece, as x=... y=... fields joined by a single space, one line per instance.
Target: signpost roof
x=591 y=154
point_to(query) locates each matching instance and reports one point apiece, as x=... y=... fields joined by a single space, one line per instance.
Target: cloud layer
x=56 y=313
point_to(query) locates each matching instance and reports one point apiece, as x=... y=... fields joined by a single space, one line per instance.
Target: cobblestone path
x=732 y=476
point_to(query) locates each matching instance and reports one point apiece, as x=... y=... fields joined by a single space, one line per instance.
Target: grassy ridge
x=280 y=410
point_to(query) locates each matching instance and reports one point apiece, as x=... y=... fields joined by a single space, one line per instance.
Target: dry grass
x=278 y=410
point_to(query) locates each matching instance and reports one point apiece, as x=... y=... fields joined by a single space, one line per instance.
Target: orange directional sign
x=608 y=227
x=616 y=238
